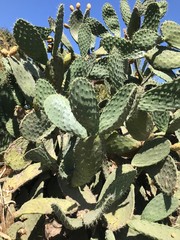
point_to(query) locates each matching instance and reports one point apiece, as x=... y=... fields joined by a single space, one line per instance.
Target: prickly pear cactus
x=90 y=141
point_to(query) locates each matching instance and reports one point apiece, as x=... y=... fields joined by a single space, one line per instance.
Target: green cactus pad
x=42 y=91
x=166 y=75
x=23 y=77
x=75 y=22
x=97 y=28
x=140 y=125
x=67 y=222
x=162 y=98
x=126 y=48
x=117 y=183
x=171 y=33
x=41 y=155
x=165 y=175
x=121 y=212
x=79 y=68
x=163 y=7
x=84 y=104
x=152 y=152
x=175 y=123
x=152 y=17
x=161 y=120
x=111 y=19
x=160 y=207
x=35 y=126
x=99 y=71
x=154 y=230
x=84 y=39
x=125 y=11
x=55 y=71
x=116 y=68
x=116 y=111
x=43 y=206
x=163 y=58
x=58 y=110
x=14 y=155
x=91 y=217
x=88 y=157
x=134 y=23
x=145 y=39
x=30 y=41
x=121 y=145
x=58 y=29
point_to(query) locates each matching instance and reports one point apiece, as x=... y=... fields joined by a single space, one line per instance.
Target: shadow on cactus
x=90 y=142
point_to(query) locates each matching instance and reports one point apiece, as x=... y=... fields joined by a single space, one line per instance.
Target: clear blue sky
x=38 y=11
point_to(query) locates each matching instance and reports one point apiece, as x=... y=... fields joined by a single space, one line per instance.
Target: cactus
x=91 y=139
x=58 y=109
x=35 y=126
x=154 y=230
x=44 y=206
x=125 y=11
x=151 y=17
x=110 y=119
x=157 y=56
x=120 y=212
x=152 y=152
x=165 y=174
x=111 y=19
x=140 y=125
x=84 y=104
x=171 y=33
x=164 y=98
x=88 y=157
x=33 y=46
x=14 y=154
x=159 y=208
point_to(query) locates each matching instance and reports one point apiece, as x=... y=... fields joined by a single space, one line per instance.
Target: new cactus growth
x=91 y=141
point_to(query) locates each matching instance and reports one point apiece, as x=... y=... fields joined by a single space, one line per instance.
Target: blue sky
x=38 y=11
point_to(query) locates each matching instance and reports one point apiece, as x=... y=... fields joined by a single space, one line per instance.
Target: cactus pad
x=121 y=145
x=125 y=11
x=145 y=39
x=140 y=125
x=152 y=152
x=116 y=111
x=36 y=126
x=58 y=110
x=120 y=212
x=152 y=17
x=14 y=155
x=165 y=175
x=154 y=230
x=160 y=207
x=163 y=58
x=84 y=104
x=162 y=98
x=84 y=39
x=30 y=41
x=111 y=19
x=42 y=91
x=43 y=206
x=58 y=29
x=88 y=157
x=24 y=78
x=171 y=33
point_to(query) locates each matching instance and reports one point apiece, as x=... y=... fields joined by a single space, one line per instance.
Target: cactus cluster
x=91 y=140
